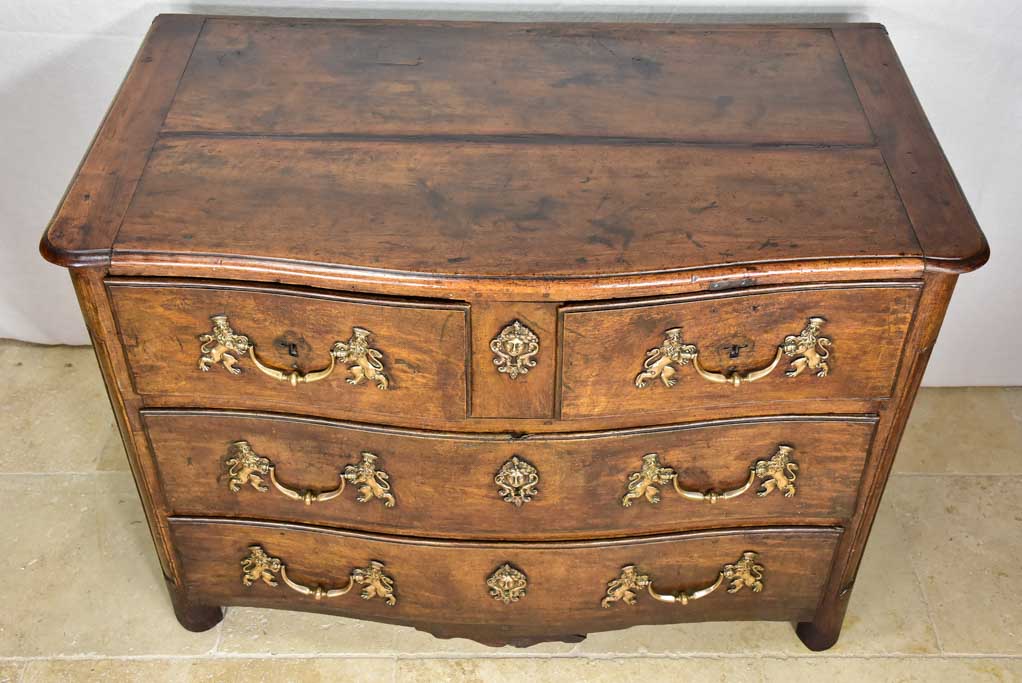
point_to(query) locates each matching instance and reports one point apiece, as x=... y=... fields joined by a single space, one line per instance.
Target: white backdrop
x=62 y=60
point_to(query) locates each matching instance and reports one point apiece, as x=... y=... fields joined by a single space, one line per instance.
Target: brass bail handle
x=776 y=473
x=259 y=565
x=294 y=378
x=245 y=466
x=736 y=378
x=222 y=345
x=746 y=572
x=808 y=350
x=683 y=597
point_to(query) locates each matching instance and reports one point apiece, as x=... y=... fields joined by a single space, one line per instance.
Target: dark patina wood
x=443 y=584
x=734 y=332
x=444 y=486
x=771 y=85
x=423 y=348
x=496 y=395
x=459 y=208
x=434 y=182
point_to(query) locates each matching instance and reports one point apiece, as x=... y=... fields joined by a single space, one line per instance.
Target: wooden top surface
x=396 y=78
x=422 y=151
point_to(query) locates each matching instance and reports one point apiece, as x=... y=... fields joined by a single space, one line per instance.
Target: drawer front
x=291 y=351
x=803 y=470
x=772 y=345
x=541 y=588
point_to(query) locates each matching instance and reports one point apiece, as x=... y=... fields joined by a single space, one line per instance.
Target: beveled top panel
x=308 y=77
x=514 y=161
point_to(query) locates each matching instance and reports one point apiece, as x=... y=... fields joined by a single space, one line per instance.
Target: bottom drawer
x=517 y=590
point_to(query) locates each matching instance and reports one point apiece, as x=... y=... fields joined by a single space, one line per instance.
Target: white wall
x=62 y=60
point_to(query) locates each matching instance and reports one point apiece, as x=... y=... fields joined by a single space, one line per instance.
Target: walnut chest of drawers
x=514 y=332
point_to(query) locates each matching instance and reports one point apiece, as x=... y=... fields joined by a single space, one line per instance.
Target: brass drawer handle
x=245 y=466
x=223 y=345
x=745 y=573
x=260 y=566
x=294 y=378
x=807 y=349
x=779 y=472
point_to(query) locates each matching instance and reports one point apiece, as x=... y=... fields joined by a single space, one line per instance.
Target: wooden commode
x=513 y=332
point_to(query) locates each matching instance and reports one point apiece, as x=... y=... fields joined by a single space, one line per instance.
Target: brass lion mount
x=777 y=473
x=807 y=349
x=223 y=345
x=746 y=572
x=245 y=466
x=259 y=565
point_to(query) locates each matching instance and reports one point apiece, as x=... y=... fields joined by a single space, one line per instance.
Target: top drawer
x=771 y=345
x=267 y=348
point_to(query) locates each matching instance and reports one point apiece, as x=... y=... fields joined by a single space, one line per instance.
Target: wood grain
x=442 y=585
x=776 y=85
x=503 y=210
x=561 y=86
x=443 y=482
x=99 y=321
x=495 y=394
x=523 y=288
x=605 y=347
x=423 y=346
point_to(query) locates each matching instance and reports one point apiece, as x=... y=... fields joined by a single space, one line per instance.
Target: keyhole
x=736 y=349
x=292 y=350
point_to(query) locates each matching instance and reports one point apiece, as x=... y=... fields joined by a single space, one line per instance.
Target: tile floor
x=81 y=596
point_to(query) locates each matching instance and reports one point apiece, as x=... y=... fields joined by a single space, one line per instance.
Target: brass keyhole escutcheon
x=515 y=349
x=516 y=481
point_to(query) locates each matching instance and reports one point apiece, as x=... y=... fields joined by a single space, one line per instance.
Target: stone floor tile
x=541 y=670
x=888 y=613
x=120 y=670
x=1013 y=395
x=891 y=670
x=112 y=457
x=973 y=430
x=265 y=631
x=10 y=672
x=80 y=575
x=963 y=535
x=748 y=637
x=573 y=670
x=55 y=415
x=213 y=670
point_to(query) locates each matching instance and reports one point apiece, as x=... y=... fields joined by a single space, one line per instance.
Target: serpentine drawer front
x=279 y=349
x=514 y=332
x=547 y=588
x=497 y=486
x=774 y=346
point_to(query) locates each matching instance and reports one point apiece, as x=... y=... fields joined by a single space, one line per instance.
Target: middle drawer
x=491 y=486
